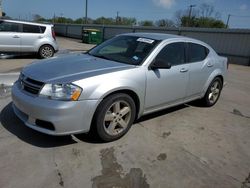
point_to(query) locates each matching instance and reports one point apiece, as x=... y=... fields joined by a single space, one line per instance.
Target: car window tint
x=8 y=27
x=42 y=28
x=31 y=28
x=125 y=49
x=196 y=52
x=172 y=53
x=116 y=47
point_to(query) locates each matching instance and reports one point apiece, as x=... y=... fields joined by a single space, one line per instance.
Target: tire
x=46 y=51
x=114 y=117
x=213 y=93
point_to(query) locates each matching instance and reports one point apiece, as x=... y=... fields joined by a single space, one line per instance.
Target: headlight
x=66 y=92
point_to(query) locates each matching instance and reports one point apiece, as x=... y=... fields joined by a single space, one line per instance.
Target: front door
x=9 y=37
x=167 y=86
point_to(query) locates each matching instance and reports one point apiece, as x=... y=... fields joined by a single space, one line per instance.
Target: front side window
x=8 y=27
x=173 y=53
x=196 y=52
x=125 y=49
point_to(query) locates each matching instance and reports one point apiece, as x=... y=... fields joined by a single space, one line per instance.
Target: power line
x=245 y=16
x=231 y=15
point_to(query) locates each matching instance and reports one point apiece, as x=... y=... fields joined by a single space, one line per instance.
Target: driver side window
x=173 y=53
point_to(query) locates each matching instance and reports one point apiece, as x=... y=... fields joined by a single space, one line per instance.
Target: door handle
x=183 y=70
x=16 y=37
x=210 y=65
x=40 y=37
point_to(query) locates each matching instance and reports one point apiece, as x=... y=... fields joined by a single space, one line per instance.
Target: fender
x=215 y=73
x=104 y=90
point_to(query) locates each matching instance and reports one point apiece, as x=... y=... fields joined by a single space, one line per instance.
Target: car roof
x=154 y=36
x=26 y=22
x=163 y=36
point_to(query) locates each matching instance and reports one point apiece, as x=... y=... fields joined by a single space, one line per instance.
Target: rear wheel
x=46 y=51
x=114 y=117
x=213 y=93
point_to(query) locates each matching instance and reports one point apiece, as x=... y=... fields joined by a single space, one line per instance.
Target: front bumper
x=67 y=117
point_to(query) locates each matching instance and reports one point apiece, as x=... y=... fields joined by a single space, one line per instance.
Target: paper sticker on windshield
x=149 y=41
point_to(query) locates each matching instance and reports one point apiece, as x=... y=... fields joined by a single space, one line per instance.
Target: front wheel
x=114 y=116
x=213 y=93
x=46 y=51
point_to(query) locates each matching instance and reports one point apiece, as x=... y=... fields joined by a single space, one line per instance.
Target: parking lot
x=185 y=146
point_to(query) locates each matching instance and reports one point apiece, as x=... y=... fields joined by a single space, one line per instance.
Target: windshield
x=125 y=49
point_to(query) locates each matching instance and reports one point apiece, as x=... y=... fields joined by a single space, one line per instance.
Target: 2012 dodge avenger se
x=110 y=86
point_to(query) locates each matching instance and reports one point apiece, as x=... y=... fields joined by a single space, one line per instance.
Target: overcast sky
x=140 y=9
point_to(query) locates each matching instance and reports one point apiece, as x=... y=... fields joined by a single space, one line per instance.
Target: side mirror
x=159 y=64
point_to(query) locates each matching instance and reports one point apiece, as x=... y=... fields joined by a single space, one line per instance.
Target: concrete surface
x=12 y=63
x=185 y=146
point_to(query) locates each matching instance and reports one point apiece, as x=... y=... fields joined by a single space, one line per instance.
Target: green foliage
x=112 y=21
x=104 y=21
x=79 y=21
x=146 y=23
x=126 y=21
x=165 y=23
x=204 y=22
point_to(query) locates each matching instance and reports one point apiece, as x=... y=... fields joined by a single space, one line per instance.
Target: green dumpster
x=91 y=36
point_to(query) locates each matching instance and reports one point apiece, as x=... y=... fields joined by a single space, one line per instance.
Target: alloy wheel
x=117 y=118
x=214 y=92
x=47 y=52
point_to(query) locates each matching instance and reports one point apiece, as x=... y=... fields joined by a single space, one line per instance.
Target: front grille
x=31 y=86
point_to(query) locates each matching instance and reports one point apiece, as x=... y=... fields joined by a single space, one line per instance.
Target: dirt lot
x=185 y=146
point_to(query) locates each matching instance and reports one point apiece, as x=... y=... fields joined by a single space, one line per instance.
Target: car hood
x=70 y=68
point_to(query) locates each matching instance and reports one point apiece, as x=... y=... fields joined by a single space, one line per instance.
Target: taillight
x=53 y=33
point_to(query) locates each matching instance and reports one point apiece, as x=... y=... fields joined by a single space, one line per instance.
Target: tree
x=37 y=17
x=127 y=21
x=79 y=21
x=165 y=23
x=146 y=23
x=204 y=16
x=104 y=21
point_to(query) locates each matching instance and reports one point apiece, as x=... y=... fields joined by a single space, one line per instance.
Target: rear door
x=168 y=86
x=201 y=66
x=31 y=36
x=9 y=37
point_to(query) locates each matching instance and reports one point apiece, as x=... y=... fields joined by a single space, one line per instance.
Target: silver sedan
x=107 y=88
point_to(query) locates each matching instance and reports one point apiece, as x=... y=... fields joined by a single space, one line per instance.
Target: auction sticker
x=149 y=41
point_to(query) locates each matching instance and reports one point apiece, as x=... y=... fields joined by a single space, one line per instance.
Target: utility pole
x=54 y=18
x=190 y=13
x=86 y=11
x=117 y=17
x=228 y=18
x=1 y=10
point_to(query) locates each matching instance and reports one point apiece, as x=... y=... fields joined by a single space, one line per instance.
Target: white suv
x=20 y=36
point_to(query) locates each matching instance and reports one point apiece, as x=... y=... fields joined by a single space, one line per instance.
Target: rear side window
x=173 y=53
x=8 y=27
x=196 y=52
x=42 y=28
x=31 y=28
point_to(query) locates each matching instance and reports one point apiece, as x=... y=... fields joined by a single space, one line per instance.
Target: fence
x=233 y=43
